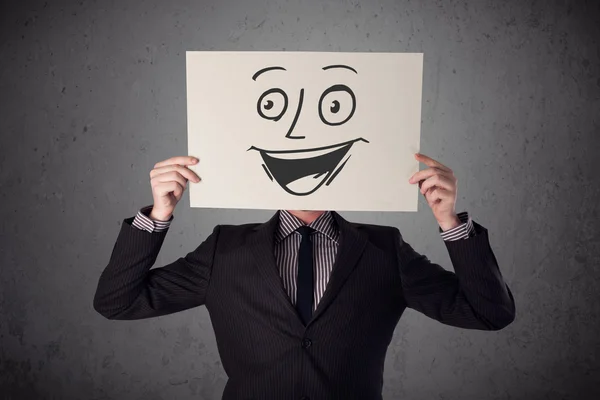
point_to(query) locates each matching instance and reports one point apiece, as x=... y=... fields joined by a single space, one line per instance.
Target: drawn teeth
x=302 y=155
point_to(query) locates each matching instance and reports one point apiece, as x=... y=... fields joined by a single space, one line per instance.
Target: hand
x=168 y=180
x=438 y=185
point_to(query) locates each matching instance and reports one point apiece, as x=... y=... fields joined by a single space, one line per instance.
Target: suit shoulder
x=382 y=236
x=230 y=231
x=374 y=229
x=234 y=236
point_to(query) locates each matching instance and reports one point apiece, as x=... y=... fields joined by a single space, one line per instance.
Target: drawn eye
x=272 y=104
x=337 y=105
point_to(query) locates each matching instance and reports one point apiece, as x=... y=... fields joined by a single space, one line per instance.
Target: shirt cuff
x=144 y=222
x=463 y=231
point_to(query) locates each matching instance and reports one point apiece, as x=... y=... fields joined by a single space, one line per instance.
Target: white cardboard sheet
x=304 y=130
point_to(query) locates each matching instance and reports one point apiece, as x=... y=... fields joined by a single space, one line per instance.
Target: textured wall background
x=92 y=95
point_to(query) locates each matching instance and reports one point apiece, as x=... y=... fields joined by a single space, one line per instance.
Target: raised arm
x=129 y=289
x=475 y=296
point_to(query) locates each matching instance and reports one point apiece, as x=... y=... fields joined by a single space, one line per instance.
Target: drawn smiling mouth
x=302 y=172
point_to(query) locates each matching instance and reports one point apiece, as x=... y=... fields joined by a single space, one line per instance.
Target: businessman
x=304 y=305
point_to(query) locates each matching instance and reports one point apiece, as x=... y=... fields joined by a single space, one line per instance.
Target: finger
x=436 y=195
x=437 y=180
x=181 y=160
x=183 y=170
x=428 y=197
x=164 y=188
x=430 y=162
x=426 y=173
x=178 y=192
x=170 y=176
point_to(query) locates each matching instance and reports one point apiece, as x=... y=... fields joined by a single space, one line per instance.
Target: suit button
x=306 y=343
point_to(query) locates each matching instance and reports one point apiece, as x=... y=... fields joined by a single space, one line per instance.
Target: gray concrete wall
x=92 y=95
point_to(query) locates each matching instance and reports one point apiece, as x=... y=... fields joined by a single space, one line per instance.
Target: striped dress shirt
x=325 y=240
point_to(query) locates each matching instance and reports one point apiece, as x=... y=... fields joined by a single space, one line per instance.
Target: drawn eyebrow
x=340 y=66
x=265 y=70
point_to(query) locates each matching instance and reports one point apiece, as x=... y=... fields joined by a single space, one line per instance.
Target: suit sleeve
x=475 y=296
x=129 y=289
x=143 y=221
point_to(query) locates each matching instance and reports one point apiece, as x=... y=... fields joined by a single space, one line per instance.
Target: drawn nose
x=289 y=134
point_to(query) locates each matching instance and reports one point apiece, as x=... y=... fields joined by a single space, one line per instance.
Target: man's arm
x=129 y=289
x=475 y=296
x=143 y=221
x=463 y=231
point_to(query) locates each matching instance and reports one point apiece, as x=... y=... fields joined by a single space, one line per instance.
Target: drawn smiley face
x=302 y=171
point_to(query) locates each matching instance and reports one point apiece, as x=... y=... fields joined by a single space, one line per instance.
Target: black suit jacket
x=266 y=350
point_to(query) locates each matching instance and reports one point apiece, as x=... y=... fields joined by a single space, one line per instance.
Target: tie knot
x=305 y=231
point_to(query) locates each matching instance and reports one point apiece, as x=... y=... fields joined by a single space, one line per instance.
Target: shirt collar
x=324 y=224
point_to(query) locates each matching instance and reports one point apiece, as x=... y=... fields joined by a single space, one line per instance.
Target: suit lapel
x=352 y=245
x=262 y=247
